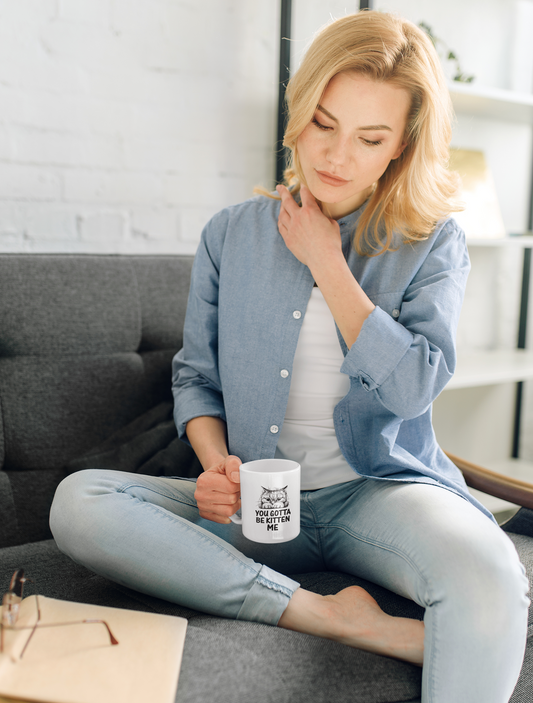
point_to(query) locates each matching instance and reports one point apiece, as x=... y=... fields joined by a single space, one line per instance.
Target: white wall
x=480 y=32
x=125 y=124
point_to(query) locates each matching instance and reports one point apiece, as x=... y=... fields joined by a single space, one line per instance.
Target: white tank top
x=317 y=385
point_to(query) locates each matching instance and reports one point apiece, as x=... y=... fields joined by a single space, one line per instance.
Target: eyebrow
x=368 y=128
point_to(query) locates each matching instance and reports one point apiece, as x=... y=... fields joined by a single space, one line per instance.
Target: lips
x=331 y=180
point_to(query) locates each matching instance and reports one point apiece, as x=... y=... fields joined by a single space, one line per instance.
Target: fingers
x=218 y=490
x=216 y=479
x=214 y=482
x=228 y=467
x=232 y=469
x=308 y=199
x=222 y=514
x=217 y=505
x=288 y=203
x=288 y=208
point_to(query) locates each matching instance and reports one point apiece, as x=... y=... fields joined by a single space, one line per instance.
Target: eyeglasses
x=10 y=613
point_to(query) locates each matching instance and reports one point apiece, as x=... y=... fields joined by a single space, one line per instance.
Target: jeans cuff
x=268 y=597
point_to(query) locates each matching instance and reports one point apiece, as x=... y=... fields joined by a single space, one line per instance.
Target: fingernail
x=235 y=477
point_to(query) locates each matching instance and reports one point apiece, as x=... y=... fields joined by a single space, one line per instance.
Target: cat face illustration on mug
x=273 y=498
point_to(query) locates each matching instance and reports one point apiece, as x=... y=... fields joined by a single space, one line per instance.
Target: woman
x=321 y=328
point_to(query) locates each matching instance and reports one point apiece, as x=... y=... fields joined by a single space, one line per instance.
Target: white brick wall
x=125 y=124
x=145 y=116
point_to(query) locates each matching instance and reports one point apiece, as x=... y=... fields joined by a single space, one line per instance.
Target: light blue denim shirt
x=246 y=306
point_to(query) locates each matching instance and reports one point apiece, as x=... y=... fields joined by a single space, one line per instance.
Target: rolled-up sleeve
x=195 y=377
x=407 y=362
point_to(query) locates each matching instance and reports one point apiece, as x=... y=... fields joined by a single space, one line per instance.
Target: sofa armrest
x=495 y=484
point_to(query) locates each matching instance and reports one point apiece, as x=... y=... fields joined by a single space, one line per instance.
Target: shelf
x=493 y=103
x=515 y=468
x=486 y=368
x=522 y=241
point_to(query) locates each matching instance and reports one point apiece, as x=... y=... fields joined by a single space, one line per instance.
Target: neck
x=339 y=210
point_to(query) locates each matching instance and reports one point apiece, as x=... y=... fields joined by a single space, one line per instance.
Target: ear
x=283 y=489
x=399 y=151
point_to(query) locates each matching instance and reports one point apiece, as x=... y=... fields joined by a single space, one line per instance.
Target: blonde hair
x=416 y=189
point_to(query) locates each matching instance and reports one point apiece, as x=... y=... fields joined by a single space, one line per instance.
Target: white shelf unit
x=523 y=242
x=489 y=367
x=478 y=369
x=493 y=103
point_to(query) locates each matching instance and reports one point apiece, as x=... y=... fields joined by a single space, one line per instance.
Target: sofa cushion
x=163 y=285
x=9 y=527
x=263 y=664
x=86 y=344
x=51 y=305
x=521 y=523
x=32 y=493
x=148 y=445
x=55 y=408
x=2 y=438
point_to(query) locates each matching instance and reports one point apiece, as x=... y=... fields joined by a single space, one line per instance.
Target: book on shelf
x=481 y=218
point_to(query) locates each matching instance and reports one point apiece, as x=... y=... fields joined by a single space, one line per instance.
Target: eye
x=321 y=126
x=368 y=142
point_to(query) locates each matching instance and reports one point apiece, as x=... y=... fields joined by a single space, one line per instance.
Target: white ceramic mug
x=270 y=500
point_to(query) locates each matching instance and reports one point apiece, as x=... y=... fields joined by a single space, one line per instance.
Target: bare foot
x=354 y=618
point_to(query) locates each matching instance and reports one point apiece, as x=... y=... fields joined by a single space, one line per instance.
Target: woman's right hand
x=218 y=490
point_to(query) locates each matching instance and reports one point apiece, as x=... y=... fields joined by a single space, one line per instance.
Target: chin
x=327 y=198
x=324 y=193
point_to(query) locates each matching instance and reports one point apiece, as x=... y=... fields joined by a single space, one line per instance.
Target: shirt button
x=396 y=312
x=284 y=373
x=297 y=314
x=274 y=429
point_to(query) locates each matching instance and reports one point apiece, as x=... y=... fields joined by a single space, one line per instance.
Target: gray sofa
x=86 y=344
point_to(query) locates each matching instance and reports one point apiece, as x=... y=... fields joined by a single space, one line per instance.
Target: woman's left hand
x=308 y=233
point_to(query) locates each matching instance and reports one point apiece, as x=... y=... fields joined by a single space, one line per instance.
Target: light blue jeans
x=418 y=540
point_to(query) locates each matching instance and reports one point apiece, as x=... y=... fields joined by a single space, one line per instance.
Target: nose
x=338 y=151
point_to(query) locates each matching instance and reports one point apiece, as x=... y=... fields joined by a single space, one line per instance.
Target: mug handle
x=236 y=518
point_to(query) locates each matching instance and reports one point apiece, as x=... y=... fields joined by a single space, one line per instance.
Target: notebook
x=77 y=663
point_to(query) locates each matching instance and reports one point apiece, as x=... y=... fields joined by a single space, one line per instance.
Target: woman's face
x=357 y=129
